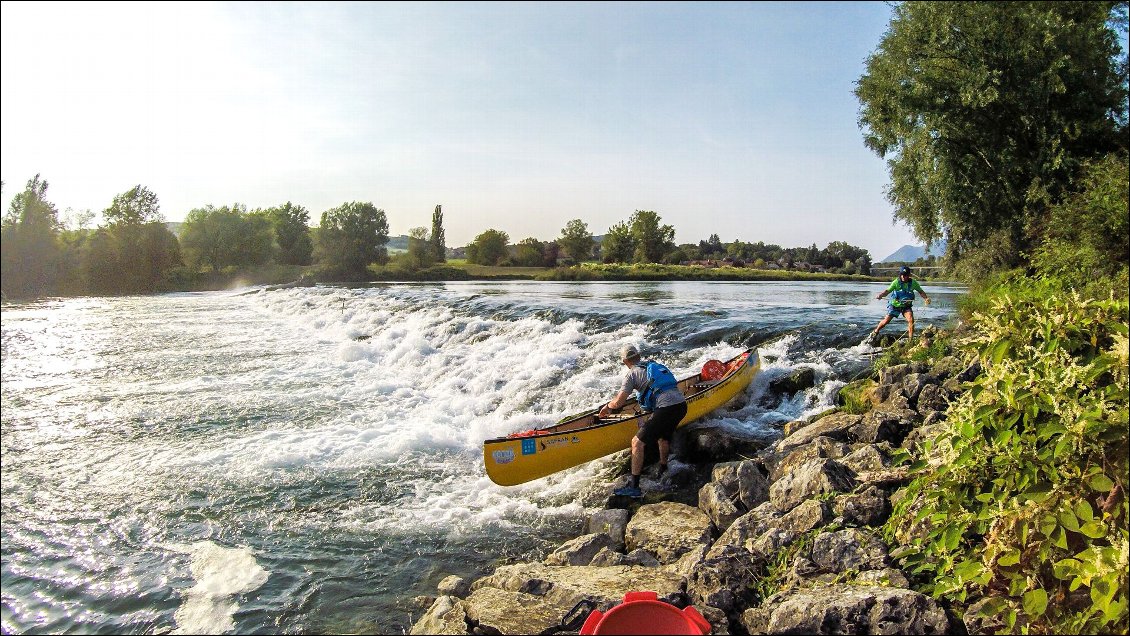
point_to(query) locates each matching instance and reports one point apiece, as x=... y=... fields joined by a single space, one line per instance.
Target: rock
x=716 y=503
x=932 y=398
x=753 y=487
x=608 y=557
x=865 y=458
x=870 y=507
x=746 y=528
x=887 y=577
x=807 y=516
x=454 y=586
x=610 y=521
x=851 y=549
x=580 y=551
x=721 y=581
x=819 y=448
x=529 y=598
x=447 y=615
x=668 y=530
x=810 y=479
x=708 y=444
x=848 y=609
x=987 y=617
x=836 y=426
x=795 y=382
x=885 y=423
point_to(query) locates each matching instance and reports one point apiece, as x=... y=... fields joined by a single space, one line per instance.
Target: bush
x=1027 y=507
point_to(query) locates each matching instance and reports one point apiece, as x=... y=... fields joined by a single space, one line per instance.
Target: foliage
x=29 y=247
x=351 y=237
x=225 y=237
x=1086 y=236
x=576 y=240
x=421 y=253
x=618 y=245
x=1028 y=506
x=651 y=239
x=437 y=240
x=985 y=109
x=291 y=226
x=137 y=206
x=488 y=248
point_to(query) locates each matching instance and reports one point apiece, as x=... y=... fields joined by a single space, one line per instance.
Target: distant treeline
x=133 y=251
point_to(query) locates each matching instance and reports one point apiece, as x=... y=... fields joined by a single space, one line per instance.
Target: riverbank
x=759 y=536
x=798 y=535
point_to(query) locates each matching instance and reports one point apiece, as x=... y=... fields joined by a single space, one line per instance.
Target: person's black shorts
x=662 y=423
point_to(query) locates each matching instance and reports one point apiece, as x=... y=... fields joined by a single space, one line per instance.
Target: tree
x=488 y=248
x=210 y=236
x=576 y=240
x=29 y=247
x=291 y=226
x=619 y=244
x=984 y=110
x=530 y=252
x=438 y=243
x=134 y=207
x=652 y=240
x=420 y=249
x=353 y=236
x=135 y=251
x=712 y=247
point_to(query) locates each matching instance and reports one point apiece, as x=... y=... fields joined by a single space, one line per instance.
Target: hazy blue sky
x=728 y=118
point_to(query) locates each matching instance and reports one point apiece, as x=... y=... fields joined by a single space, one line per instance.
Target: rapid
x=309 y=459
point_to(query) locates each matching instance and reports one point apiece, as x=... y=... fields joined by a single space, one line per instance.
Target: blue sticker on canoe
x=529 y=446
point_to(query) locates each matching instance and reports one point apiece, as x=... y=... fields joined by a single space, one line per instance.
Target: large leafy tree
x=352 y=237
x=576 y=239
x=226 y=236
x=291 y=226
x=135 y=251
x=421 y=252
x=984 y=110
x=618 y=244
x=437 y=240
x=489 y=248
x=652 y=238
x=29 y=245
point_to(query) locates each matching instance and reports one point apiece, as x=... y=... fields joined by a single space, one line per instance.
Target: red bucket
x=644 y=613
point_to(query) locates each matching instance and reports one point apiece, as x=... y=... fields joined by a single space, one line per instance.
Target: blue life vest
x=904 y=295
x=659 y=379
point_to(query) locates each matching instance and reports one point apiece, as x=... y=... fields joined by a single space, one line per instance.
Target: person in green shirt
x=901 y=303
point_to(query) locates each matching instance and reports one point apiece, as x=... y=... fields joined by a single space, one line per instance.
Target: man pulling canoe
x=658 y=395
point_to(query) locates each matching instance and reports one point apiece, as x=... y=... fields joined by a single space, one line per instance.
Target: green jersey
x=903 y=293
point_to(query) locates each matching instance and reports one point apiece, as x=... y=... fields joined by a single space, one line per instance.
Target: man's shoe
x=628 y=491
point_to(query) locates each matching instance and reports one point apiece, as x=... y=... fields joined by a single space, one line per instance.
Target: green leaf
x=1068 y=520
x=1035 y=602
x=1093 y=529
x=1011 y=556
x=1083 y=511
x=1101 y=483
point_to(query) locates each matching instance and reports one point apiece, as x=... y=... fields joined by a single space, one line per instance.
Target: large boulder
x=447 y=615
x=723 y=581
x=529 y=598
x=746 y=529
x=813 y=478
x=610 y=521
x=836 y=426
x=847 y=609
x=581 y=550
x=718 y=505
x=668 y=530
x=820 y=447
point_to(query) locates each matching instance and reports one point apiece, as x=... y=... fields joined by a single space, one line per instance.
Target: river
x=309 y=459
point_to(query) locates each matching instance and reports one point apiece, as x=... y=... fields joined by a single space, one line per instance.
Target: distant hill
x=911 y=253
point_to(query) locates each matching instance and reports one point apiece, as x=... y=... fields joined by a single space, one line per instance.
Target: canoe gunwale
x=557 y=429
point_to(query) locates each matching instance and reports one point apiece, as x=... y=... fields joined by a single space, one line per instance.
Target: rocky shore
x=761 y=537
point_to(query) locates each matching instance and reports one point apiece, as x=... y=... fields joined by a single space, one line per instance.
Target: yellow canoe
x=529 y=455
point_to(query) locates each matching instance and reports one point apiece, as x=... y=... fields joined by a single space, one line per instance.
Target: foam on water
x=220 y=575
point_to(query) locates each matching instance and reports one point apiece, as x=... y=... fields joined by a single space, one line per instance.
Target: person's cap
x=904 y=270
x=629 y=352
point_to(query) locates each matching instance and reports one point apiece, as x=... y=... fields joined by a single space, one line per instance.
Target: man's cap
x=629 y=352
x=904 y=270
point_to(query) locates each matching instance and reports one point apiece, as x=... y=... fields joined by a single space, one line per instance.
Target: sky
x=736 y=119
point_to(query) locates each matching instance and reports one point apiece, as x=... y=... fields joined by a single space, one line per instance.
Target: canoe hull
x=515 y=460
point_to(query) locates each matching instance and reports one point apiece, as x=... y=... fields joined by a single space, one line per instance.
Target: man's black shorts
x=662 y=423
